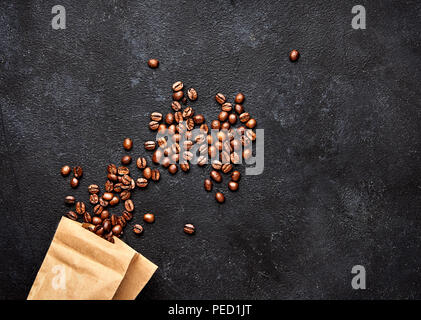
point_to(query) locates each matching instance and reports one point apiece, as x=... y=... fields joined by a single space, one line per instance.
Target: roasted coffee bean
x=233 y=186
x=109 y=238
x=208 y=185
x=172 y=129
x=294 y=55
x=114 y=201
x=96 y=220
x=124 y=195
x=106 y=224
x=127 y=144
x=175 y=148
x=241 y=130
x=109 y=186
x=150 y=145
x=216 y=164
x=192 y=94
x=93 y=198
x=99 y=231
x=245 y=141
x=156 y=116
x=190 y=124
x=80 y=208
x=117 y=188
x=226 y=145
x=225 y=126
x=153 y=125
x=216 y=176
x=155 y=175
x=235 y=176
x=147 y=173
x=74 y=182
x=203 y=149
x=112 y=177
x=239 y=98
x=227 y=107
x=98 y=209
x=225 y=157
x=128 y=205
x=77 y=172
x=65 y=171
x=232 y=118
x=142 y=182
x=103 y=202
x=71 y=215
x=141 y=162
x=175 y=158
x=126 y=180
x=219 y=196
x=235 y=144
x=178 y=95
x=198 y=119
x=107 y=196
x=223 y=115
x=104 y=214
x=204 y=128
x=209 y=139
x=251 y=134
x=93 y=189
x=188 y=144
x=247 y=153
x=189 y=228
x=181 y=128
x=251 y=123
x=149 y=217
x=235 y=158
x=153 y=63
x=213 y=151
x=138 y=229
x=123 y=170
x=112 y=169
x=177 y=86
x=127 y=215
x=176 y=106
x=169 y=118
x=220 y=98
x=202 y=160
x=188 y=112
x=215 y=124
x=244 y=117
x=87 y=217
x=126 y=160
x=185 y=167
x=239 y=108
x=117 y=230
x=226 y=167
x=114 y=220
x=69 y=200
x=173 y=169
x=122 y=222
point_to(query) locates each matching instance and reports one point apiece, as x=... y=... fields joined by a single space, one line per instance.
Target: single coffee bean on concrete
x=125 y=195
x=105 y=214
x=142 y=182
x=74 y=182
x=178 y=95
x=156 y=116
x=220 y=98
x=216 y=176
x=93 y=189
x=69 y=199
x=185 y=167
x=294 y=55
x=127 y=215
x=153 y=63
x=208 y=185
x=96 y=220
x=219 y=196
x=235 y=176
x=114 y=201
x=192 y=94
x=223 y=115
x=87 y=217
x=128 y=205
x=215 y=124
x=176 y=106
x=173 y=169
x=149 y=217
x=226 y=167
x=98 y=209
x=233 y=186
x=78 y=172
x=227 y=107
x=244 y=117
x=232 y=118
x=126 y=160
x=239 y=98
x=123 y=170
x=141 y=163
x=155 y=175
x=177 y=86
x=153 y=125
x=169 y=118
x=147 y=173
x=150 y=145
x=65 y=171
x=117 y=229
x=127 y=144
x=239 y=108
x=189 y=228
x=107 y=196
x=137 y=228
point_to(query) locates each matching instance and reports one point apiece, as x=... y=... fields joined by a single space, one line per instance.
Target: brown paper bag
x=81 y=265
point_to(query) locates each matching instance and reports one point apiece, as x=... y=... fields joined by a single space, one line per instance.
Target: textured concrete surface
x=341 y=184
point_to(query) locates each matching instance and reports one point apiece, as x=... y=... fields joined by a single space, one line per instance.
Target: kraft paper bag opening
x=79 y=265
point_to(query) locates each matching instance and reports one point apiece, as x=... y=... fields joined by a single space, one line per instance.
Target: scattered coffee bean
x=104 y=214
x=128 y=205
x=251 y=123
x=127 y=144
x=147 y=173
x=244 y=117
x=156 y=116
x=65 y=171
x=177 y=86
x=216 y=176
x=137 y=228
x=233 y=186
x=220 y=98
x=126 y=160
x=232 y=118
x=149 y=217
x=208 y=185
x=176 y=106
x=107 y=196
x=112 y=169
x=226 y=167
x=141 y=163
x=235 y=176
x=142 y=182
x=219 y=196
x=123 y=170
x=106 y=224
x=96 y=220
x=150 y=145
x=227 y=107
x=169 y=118
x=189 y=228
x=239 y=108
x=117 y=230
x=77 y=172
x=69 y=200
x=247 y=153
x=87 y=217
x=223 y=115
x=93 y=198
x=225 y=126
x=93 y=189
x=98 y=209
x=172 y=169
x=114 y=201
x=103 y=203
x=192 y=94
x=294 y=55
x=153 y=63
x=178 y=95
x=188 y=112
x=155 y=175
x=185 y=167
x=235 y=158
x=71 y=215
x=215 y=124
x=239 y=98
x=153 y=125
x=74 y=182
x=216 y=164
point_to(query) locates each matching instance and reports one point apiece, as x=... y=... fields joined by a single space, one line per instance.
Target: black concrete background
x=341 y=184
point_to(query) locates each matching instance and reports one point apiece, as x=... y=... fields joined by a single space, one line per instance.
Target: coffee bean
x=127 y=215
x=233 y=186
x=69 y=200
x=137 y=228
x=219 y=196
x=114 y=201
x=117 y=230
x=294 y=55
x=192 y=94
x=204 y=128
x=251 y=134
x=247 y=153
x=98 y=209
x=202 y=160
x=227 y=107
x=112 y=169
x=142 y=182
x=149 y=217
x=93 y=189
x=156 y=116
x=235 y=176
x=172 y=129
x=216 y=164
x=203 y=149
x=215 y=124
x=127 y=144
x=153 y=63
x=104 y=214
x=178 y=117
x=188 y=112
x=117 y=188
x=103 y=203
x=150 y=145
x=239 y=108
x=169 y=118
x=147 y=173
x=141 y=163
x=155 y=175
x=93 y=198
x=239 y=98
x=77 y=172
x=208 y=185
x=109 y=186
x=225 y=126
x=223 y=115
x=114 y=220
x=153 y=125
x=176 y=106
x=123 y=170
x=212 y=151
x=106 y=224
x=220 y=98
x=235 y=144
x=65 y=171
x=178 y=95
x=87 y=217
x=71 y=215
x=244 y=117
x=185 y=167
x=189 y=228
x=126 y=160
x=177 y=86
x=128 y=205
x=96 y=220
x=175 y=158
x=74 y=182
x=126 y=180
x=226 y=167
x=188 y=144
x=172 y=169
x=107 y=196
x=251 y=123
x=216 y=176
x=232 y=118
x=235 y=158
x=225 y=157
x=124 y=195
